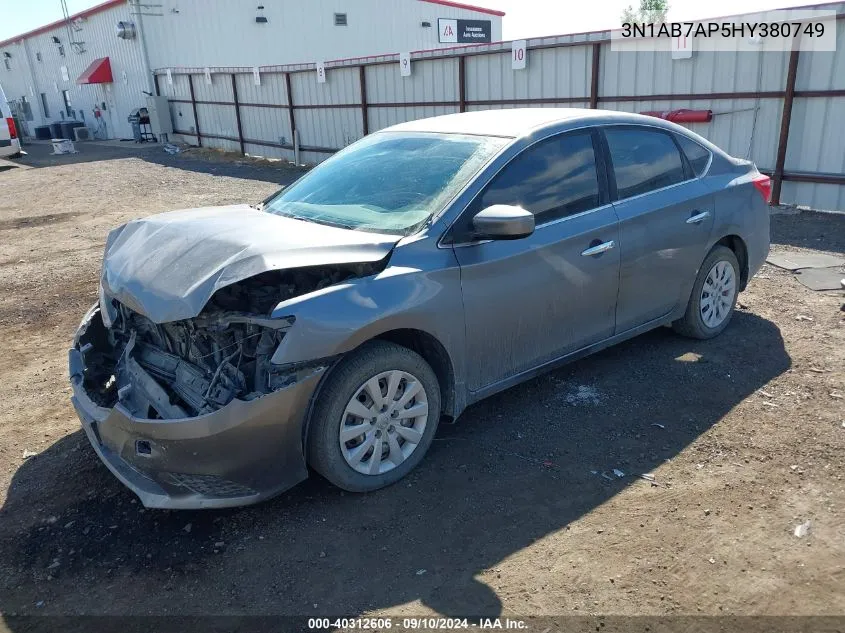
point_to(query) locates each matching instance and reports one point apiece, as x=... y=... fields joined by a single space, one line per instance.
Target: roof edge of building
x=468 y=7
x=99 y=8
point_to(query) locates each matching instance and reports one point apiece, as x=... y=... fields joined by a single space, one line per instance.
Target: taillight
x=13 y=131
x=763 y=184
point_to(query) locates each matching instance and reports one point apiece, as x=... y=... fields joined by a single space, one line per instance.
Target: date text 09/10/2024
x=415 y=623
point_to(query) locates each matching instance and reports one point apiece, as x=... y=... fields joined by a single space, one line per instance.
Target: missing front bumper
x=242 y=453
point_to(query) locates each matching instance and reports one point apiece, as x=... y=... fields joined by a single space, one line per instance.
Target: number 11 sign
x=519 y=53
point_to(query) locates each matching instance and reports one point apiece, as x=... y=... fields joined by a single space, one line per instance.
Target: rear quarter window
x=698 y=156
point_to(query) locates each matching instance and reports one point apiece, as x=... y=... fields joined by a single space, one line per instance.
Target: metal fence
x=785 y=111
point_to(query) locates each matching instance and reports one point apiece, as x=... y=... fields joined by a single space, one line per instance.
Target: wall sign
x=681 y=47
x=169 y=77
x=405 y=64
x=208 y=76
x=65 y=76
x=464 y=31
x=321 y=72
x=519 y=54
x=256 y=76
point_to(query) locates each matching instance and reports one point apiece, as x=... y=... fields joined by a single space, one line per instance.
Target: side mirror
x=503 y=222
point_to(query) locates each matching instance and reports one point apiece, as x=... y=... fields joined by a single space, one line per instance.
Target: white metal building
x=43 y=72
x=40 y=69
x=241 y=33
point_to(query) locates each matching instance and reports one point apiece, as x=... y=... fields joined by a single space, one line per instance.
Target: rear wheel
x=374 y=418
x=713 y=298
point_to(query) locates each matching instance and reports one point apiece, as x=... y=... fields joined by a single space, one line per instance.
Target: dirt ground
x=516 y=509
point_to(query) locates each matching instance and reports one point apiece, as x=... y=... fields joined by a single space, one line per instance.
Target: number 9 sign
x=405 y=64
x=519 y=55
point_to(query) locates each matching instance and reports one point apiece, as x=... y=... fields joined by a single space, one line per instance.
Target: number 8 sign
x=519 y=54
x=405 y=64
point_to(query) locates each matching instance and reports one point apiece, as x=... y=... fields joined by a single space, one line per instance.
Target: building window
x=44 y=105
x=68 y=104
x=340 y=19
x=38 y=56
x=61 y=50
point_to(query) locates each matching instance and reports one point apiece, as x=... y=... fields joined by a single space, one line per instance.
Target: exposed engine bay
x=195 y=366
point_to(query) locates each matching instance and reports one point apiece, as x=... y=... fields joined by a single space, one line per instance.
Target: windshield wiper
x=339 y=225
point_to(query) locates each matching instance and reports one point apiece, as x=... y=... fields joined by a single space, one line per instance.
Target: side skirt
x=507 y=383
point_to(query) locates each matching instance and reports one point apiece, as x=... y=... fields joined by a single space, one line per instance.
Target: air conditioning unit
x=82 y=134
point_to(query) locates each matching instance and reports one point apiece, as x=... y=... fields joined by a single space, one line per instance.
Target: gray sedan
x=417 y=271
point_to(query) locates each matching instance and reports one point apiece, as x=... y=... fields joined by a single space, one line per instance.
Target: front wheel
x=374 y=418
x=713 y=298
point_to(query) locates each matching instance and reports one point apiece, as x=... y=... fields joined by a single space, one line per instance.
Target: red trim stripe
x=61 y=23
x=468 y=7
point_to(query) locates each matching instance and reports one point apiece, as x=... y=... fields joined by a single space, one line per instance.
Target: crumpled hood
x=168 y=266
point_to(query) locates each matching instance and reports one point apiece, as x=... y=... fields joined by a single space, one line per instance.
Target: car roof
x=516 y=122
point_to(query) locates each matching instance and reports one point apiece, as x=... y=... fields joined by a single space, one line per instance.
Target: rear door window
x=643 y=160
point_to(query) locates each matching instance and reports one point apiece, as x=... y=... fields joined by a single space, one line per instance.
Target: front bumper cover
x=243 y=453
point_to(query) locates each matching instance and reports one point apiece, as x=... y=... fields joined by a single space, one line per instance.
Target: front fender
x=338 y=319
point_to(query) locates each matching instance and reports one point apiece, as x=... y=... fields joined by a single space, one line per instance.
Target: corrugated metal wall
x=817 y=129
x=268 y=123
x=209 y=32
x=552 y=72
x=744 y=90
x=214 y=32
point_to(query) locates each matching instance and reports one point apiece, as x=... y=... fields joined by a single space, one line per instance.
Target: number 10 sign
x=518 y=54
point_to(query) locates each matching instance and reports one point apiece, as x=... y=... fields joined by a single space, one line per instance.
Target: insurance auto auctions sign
x=464 y=31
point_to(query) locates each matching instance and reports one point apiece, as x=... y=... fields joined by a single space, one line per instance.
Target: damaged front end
x=195 y=366
x=192 y=413
x=184 y=368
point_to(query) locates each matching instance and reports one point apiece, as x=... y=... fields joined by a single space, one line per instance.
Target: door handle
x=698 y=218
x=598 y=249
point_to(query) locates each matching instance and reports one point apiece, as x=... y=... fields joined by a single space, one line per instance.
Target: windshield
x=386 y=183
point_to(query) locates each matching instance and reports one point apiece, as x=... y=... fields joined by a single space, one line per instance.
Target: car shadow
x=514 y=468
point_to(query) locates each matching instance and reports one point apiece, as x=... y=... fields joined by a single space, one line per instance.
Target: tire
x=16 y=155
x=346 y=384
x=694 y=323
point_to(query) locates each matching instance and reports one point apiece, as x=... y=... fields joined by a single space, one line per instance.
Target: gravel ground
x=516 y=510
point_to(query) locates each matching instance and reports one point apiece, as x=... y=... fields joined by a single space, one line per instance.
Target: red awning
x=99 y=72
